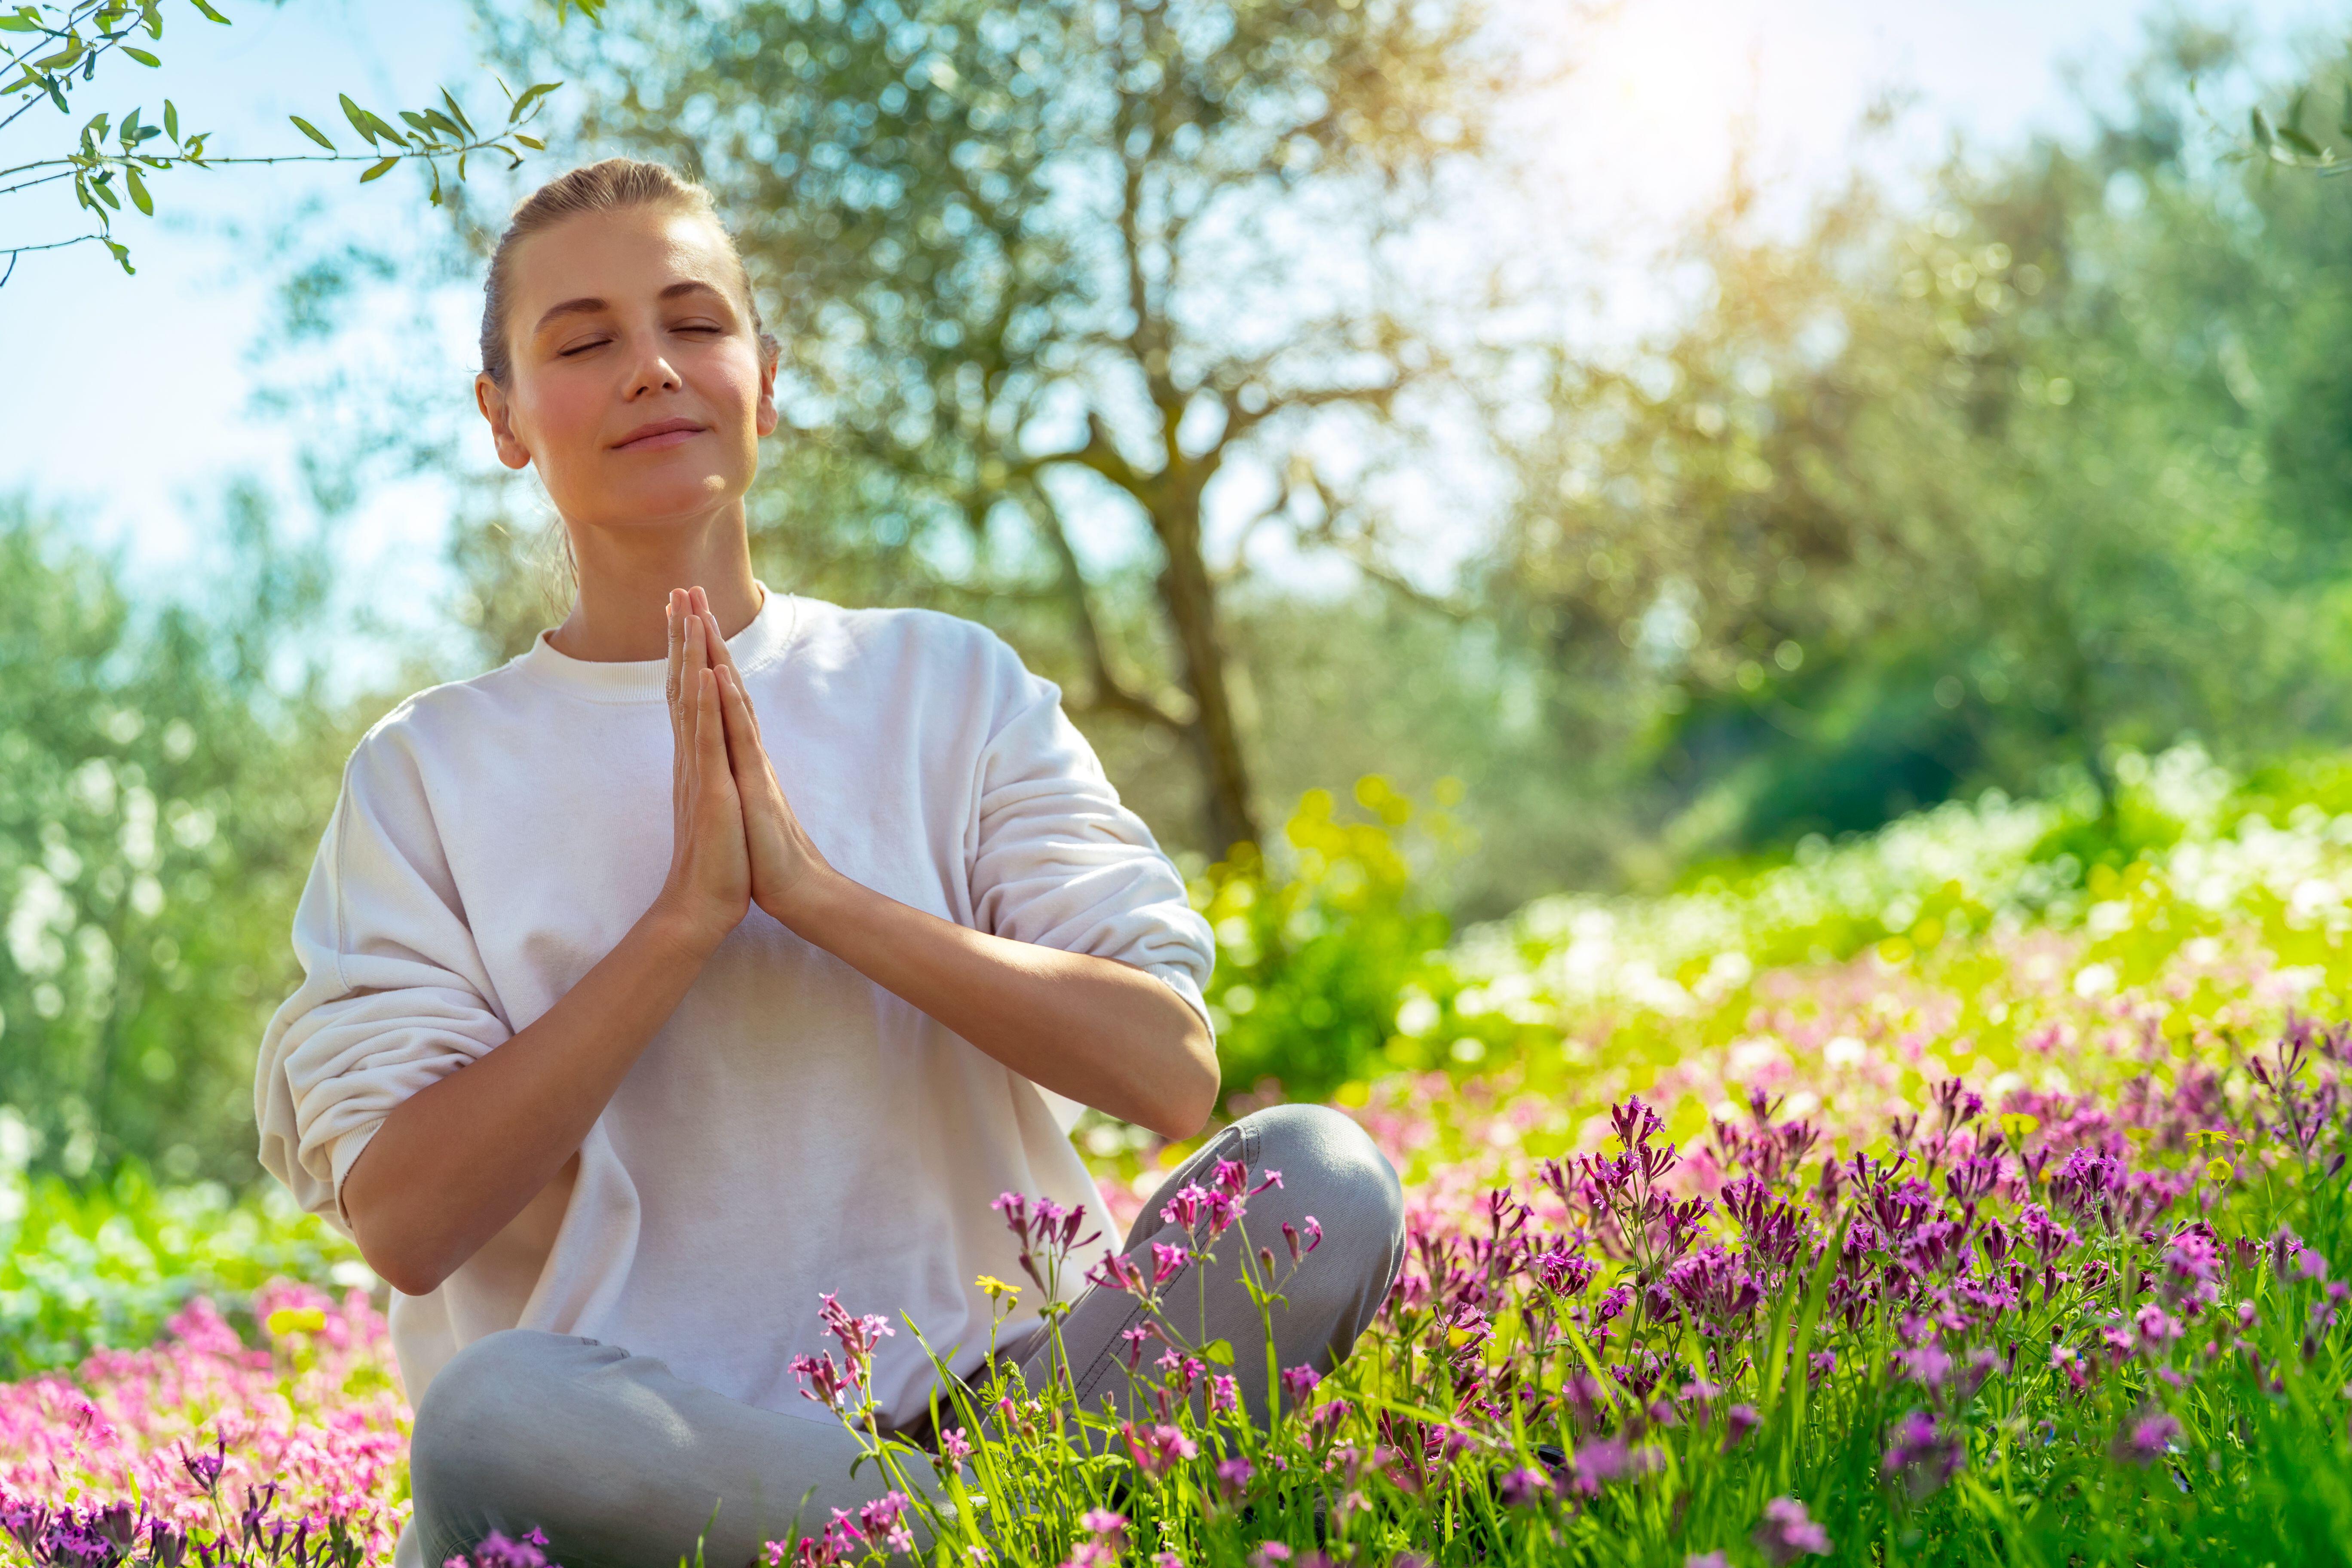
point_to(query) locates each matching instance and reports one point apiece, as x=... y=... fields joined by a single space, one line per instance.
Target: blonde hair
x=612 y=184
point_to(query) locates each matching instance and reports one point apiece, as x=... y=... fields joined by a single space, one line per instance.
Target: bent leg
x=618 y=1460
x=1331 y=1173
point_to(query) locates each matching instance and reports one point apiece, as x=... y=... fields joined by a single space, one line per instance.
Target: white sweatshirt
x=793 y=1129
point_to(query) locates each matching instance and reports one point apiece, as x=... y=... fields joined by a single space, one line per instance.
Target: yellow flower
x=296 y=1320
x=2219 y=1170
x=996 y=1287
x=2016 y=1124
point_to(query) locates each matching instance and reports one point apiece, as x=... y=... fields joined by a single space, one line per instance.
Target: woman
x=769 y=1003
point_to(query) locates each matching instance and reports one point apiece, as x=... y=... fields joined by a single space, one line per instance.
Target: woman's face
x=638 y=387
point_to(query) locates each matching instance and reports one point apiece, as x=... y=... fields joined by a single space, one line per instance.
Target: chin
x=671 y=499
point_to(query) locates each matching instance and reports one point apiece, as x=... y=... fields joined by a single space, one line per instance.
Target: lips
x=661 y=433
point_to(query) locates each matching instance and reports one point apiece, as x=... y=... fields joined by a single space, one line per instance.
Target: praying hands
x=1098 y=1031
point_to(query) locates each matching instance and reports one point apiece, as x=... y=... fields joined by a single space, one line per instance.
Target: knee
x=487 y=1407
x=1331 y=1169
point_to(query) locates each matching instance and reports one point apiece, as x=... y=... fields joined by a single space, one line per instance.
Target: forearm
x=1101 y=1032
x=456 y=1161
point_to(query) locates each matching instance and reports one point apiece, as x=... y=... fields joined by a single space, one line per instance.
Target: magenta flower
x=1298 y=1381
x=1185 y=1209
x=1737 y=1423
x=1786 y=1532
x=1523 y=1487
x=1922 y=1455
x=2147 y=1439
x=1117 y=1271
x=1233 y=1476
x=1158 y=1449
x=1303 y=1240
x=1167 y=1261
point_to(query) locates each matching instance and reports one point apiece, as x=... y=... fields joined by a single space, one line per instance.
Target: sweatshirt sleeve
x=1061 y=862
x=394 y=994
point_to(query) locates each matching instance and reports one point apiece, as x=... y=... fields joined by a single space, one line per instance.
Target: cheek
x=563 y=420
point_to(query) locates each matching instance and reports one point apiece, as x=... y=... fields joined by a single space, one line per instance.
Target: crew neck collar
x=759 y=644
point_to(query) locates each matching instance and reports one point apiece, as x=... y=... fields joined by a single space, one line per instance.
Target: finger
x=711 y=733
x=719 y=652
x=673 y=656
x=725 y=659
x=697 y=649
x=674 y=660
x=742 y=749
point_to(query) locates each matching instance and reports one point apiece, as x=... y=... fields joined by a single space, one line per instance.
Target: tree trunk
x=1190 y=600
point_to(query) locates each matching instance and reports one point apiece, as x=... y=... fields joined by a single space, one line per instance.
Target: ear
x=491 y=399
x=769 y=352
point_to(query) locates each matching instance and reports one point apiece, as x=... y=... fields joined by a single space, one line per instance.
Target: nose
x=652 y=373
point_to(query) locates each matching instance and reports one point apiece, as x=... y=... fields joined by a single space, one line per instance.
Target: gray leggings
x=622 y=1462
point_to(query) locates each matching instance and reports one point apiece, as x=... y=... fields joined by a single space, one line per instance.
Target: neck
x=625 y=578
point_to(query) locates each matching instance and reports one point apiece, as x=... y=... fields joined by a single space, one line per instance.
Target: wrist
x=811 y=904
x=670 y=926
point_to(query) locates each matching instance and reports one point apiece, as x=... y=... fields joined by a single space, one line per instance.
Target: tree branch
x=1108 y=693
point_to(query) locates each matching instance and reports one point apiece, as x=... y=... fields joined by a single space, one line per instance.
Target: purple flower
x=2146 y=1438
x=1157 y=1449
x=1298 y=1381
x=884 y=1520
x=1786 y=1532
x=1117 y=1271
x=1562 y=1272
x=203 y=1469
x=1523 y=1487
x=2157 y=1327
x=1190 y=1202
x=1313 y=1233
x=1707 y=1560
x=1926 y=1365
x=1166 y=1261
x=1234 y=1475
x=497 y=1551
x=1922 y=1455
x=1737 y=1423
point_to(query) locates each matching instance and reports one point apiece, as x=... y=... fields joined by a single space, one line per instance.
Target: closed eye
x=579 y=349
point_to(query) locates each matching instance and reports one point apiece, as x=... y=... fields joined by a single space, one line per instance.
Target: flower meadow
x=1975 y=1191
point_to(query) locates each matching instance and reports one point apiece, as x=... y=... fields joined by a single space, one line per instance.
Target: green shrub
x=1312 y=955
x=105 y=1264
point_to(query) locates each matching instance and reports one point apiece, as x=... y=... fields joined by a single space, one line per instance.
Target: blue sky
x=127 y=407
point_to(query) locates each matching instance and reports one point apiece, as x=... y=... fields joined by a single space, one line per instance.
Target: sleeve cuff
x=346 y=1153
x=1180 y=980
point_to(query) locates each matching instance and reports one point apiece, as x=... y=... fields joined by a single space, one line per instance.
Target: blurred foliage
x=1936 y=495
x=160 y=800
x=1314 y=947
x=104 y=1263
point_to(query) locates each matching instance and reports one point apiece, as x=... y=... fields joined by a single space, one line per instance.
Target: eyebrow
x=588 y=306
